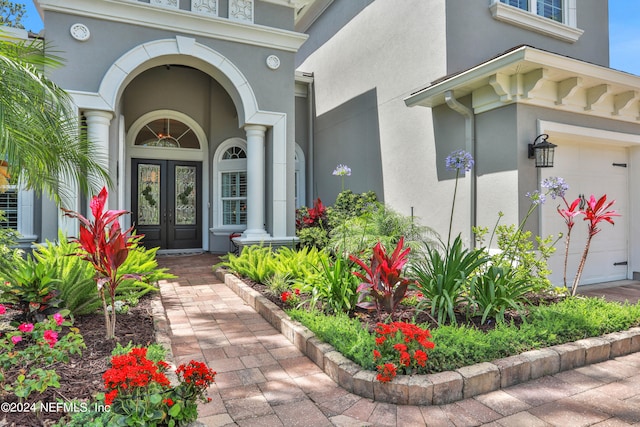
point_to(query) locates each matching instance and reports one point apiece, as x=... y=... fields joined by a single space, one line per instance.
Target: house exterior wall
x=361 y=76
x=474 y=36
x=203 y=95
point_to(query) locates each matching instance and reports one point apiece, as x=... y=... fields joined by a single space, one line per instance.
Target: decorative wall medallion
x=208 y=7
x=273 y=62
x=241 y=10
x=166 y=3
x=80 y=32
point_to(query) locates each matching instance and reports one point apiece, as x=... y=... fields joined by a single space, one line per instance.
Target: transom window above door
x=168 y=133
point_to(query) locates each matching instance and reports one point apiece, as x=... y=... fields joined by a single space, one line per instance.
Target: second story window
x=554 y=18
x=552 y=9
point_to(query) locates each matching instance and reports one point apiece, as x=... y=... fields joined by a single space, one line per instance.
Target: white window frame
x=529 y=19
x=221 y=166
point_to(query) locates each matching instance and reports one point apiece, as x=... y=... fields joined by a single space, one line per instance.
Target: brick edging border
x=443 y=387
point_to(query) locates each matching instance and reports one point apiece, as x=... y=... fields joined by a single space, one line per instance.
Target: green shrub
x=497 y=289
x=345 y=334
x=77 y=286
x=443 y=279
x=29 y=287
x=255 y=262
x=335 y=286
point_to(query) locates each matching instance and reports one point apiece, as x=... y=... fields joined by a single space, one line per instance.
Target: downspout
x=470 y=146
x=311 y=147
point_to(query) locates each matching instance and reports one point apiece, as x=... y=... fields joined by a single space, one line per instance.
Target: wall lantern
x=543 y=151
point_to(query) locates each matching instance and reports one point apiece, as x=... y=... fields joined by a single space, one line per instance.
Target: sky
x=624 y=32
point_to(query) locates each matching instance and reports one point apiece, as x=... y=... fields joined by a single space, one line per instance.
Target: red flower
x=110 y=396
x=51 y=337
x=376 y=354
x=386 y=372
x=420 y=357
x=400 y=347
x=405 y=358
x=285 y=296
x=168 y=402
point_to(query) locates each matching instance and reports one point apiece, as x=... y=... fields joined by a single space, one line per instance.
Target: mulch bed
x=81 y=378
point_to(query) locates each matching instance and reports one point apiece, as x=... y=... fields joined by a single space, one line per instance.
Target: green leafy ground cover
x=459 y=345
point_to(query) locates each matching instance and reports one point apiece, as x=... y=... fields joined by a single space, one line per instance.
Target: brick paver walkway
x=263 y=380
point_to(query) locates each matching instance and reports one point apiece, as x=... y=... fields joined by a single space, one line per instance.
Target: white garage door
x=590 y=169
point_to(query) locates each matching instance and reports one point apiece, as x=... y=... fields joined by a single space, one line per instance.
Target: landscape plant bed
x=81 y=378
x=442 y=387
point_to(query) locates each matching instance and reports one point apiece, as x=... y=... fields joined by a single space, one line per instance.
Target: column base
x=266 y=240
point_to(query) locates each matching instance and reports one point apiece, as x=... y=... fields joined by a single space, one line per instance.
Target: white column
x=98 y=132
x=255 y=183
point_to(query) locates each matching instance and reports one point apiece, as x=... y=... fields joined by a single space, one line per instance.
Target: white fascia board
x=145 y=15
x=434 y=95
x=521 y=59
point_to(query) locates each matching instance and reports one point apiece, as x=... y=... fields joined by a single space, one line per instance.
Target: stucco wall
x=474 y=36
x=388 y=50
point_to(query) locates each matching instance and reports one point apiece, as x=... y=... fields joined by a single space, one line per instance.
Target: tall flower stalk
x=342 y=171
x=457 y=161
x=596 y=212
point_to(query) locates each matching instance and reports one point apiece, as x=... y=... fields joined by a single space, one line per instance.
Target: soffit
x=531 y=76
x=181 y=21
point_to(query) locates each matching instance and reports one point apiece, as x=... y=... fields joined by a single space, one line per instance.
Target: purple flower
x=459 y=160
x=342 y=170
x=556 y=186
x=537 y=198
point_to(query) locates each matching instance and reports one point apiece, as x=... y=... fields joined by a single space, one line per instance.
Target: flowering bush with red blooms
x=139 y=392
x=401 y=347
x=289 y=297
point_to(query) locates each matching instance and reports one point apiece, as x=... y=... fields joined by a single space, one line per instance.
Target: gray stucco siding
x=87 y=62
x=469 y=24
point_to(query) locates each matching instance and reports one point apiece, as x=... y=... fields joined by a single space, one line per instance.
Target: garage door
x=590 y=169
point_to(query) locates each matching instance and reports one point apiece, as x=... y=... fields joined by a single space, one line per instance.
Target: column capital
x=255 y=129
x=106 y=116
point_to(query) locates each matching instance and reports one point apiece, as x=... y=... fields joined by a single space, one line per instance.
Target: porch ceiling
x=531 y=76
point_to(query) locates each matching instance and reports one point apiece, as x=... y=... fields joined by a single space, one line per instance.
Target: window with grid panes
x=9 y=206
x=552 y=9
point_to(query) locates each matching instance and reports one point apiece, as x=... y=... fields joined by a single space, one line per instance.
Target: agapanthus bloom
x=557 y=186
x=459 y=160
x=342 y=170
x=26 y=327
x=536 y=197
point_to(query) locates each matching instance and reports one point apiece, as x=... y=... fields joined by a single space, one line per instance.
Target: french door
x=167 y=203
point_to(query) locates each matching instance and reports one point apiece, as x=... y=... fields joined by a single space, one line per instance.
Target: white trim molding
x=180 y=21
x=565 y=31
x=540 y=78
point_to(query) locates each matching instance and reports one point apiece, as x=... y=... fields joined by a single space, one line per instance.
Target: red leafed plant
x=106 y=247
x=383 y=279
x=595 y=212
x=568 y=215
x=311 y=217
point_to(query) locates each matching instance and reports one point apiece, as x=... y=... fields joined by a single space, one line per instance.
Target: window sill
x=524 y=19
